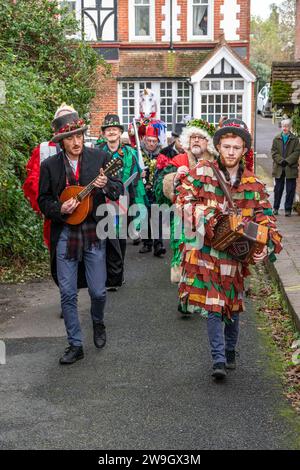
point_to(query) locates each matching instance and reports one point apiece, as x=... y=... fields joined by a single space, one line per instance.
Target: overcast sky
x=261 y=7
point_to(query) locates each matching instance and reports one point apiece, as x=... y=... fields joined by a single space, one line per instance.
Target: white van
x=264 y=105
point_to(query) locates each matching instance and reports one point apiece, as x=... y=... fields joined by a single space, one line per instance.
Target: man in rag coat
x=212 y=281
x=197 y=142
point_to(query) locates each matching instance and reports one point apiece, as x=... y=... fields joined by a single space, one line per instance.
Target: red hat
x=151 y=131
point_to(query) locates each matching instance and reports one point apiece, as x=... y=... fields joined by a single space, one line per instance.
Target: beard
x=230 y=163
x=196 y=150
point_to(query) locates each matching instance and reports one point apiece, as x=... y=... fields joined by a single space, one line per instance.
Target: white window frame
x=210 y=25
x=131 y=23
x=223 y=91
x=155 y=87
x=78 y=35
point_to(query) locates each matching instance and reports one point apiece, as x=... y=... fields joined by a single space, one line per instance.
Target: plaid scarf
x=81 y=238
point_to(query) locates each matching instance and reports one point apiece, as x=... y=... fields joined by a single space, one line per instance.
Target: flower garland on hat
x=208 y=127
x=71 y=126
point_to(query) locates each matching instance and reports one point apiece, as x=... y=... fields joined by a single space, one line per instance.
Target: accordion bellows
x=213 y=280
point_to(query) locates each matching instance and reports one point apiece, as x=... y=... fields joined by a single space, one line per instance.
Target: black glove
x=284 y=163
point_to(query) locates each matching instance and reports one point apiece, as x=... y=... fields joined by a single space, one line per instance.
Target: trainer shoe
x=219 y=371
x=71 y=355
x=230 y=360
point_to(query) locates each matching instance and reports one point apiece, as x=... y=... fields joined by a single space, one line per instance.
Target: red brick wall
x=244 y=17
x=183 y=19
x=123 y=35
x=159 y=18
x=217 y=19
x=106 y=99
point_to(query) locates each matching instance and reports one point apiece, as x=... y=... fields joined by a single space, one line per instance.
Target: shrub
x=40 y=68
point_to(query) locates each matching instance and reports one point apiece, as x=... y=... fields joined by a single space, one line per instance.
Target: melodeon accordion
x=240 y=239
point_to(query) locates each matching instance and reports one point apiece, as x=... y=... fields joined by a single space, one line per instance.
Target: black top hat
x=112 y=120
x=234 y=126
x=178 y=129
x=66 y=125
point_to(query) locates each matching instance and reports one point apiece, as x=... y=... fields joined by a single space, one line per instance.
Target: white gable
x=213 y=65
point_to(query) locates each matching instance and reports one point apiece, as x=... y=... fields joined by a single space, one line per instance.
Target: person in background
x=31 y=183
x=285 y=155
x=151 y=153
x=175 y=148
x=111 y=143
x=197 y=142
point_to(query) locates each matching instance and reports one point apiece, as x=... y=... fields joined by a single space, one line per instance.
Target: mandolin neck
x=86 y=191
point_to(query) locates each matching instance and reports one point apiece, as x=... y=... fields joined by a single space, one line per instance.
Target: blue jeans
x=95 y=272
x=221 y=339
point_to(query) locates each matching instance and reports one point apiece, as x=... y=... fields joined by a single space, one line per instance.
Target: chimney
x=297 y=39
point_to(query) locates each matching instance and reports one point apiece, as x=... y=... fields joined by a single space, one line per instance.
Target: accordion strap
x=223 y=185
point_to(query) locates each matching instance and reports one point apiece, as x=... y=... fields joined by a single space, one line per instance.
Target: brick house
x=192 y=52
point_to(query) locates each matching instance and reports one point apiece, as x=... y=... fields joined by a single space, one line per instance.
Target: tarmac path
x=150 y=388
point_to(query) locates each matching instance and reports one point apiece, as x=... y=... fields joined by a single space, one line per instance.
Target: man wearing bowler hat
x=78 y=256
x=112 y=131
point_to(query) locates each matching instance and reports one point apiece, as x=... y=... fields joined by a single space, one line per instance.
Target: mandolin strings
x=117 y=163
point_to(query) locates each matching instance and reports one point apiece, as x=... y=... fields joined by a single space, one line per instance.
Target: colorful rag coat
x=164 y=194
x=212 y=281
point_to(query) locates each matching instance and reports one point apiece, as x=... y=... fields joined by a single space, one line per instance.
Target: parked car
x=264 y=105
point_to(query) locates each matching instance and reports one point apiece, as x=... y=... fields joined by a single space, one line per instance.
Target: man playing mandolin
x=78 y=256
x=212 y=281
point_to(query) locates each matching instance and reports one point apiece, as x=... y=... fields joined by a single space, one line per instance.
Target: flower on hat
x=72 y=126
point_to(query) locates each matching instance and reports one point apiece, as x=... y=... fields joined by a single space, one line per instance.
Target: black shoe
x=145 y=249
x=275 y=211
x=99 y=335
x=159 y=250
x=288 y=213
x=219 y=371
x=230 y=360
x=71 y=355
x=137 y=241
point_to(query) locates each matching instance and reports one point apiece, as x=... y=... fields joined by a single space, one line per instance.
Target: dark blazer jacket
x=53 y=182
x=169 y=151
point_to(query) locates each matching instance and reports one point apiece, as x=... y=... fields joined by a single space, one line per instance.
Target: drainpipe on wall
x=188 y=81
x=171 y=26
x=255 y=121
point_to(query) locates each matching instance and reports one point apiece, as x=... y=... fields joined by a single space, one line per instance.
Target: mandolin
x=83 y=194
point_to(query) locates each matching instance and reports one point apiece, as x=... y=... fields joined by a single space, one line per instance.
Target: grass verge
x=20 y=271
x=275 y=322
